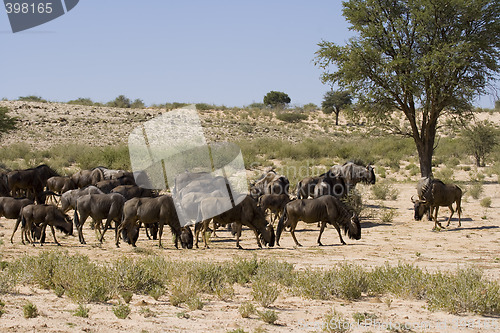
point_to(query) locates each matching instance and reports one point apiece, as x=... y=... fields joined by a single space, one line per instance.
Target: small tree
x=480 y=139
x=497 y=104
x=276 y=99
x=120 y=102
x=7 y=123
x=334 y=101
x=138 y=104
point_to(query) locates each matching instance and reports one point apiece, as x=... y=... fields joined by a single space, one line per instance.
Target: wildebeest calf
x=275 y=203
x=41 y=216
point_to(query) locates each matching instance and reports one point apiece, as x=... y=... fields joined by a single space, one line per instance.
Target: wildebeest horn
x=413 y=198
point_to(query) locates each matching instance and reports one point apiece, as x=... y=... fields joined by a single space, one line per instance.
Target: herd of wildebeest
x=114 y=196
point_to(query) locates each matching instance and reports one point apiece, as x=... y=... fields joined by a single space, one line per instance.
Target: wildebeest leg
x=338 y=230
x=160 y=233
x=449 y=219
x=238 y=234
x=436 y=223
x=459 y=211
x=293 y=225
x=323 y=225
x=106 y=226
x=82 y=220
x=197 y=228
x=15 y=228
x=204 y=232
x=53 y=233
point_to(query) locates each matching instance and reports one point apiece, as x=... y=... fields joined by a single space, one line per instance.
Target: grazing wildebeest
x=274 y=202
x=40 y=216
x=305 y=187
x=99 y=207
x=270 y=183
x=85 y=178
x=354 y=173
x=10 y=208
x=108 y=185
x=147 y=211
x=245 y=213
x=437 y=194
x=325 y=209
x=32 y=181
x=186 y=238
x=68 y=199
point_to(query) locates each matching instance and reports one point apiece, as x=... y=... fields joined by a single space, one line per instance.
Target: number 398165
x=28 y=8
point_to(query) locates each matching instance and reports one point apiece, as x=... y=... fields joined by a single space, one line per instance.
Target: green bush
x=475 y=190
x=30 y=310
x=291 y=117
x=268 y=316
x=264 y=293
x=384 y=191
x=121 y=311
x=82 y=101
x=246 y=309
x=81 y=311
x=486 y=202
x=32 y=98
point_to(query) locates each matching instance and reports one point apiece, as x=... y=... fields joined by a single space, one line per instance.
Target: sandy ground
x=404 y=240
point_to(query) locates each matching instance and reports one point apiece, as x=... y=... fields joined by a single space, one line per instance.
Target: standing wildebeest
x=325 y=209
x=274 y=202
x=270 y=183
x=133 y=191
x=305 y=187
x=147 y=211
x=435 y=194
x=330 y=185
x=11 y=209
x=85 y=178
x=108 y=185
x=60 y=185
x=99 y=207
x=68 y=199
x=40 y=216
x=354 y=173
x=245 y=213
x=32 y=181
x=4 y=187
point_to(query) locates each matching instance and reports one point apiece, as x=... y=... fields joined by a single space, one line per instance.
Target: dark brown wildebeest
x=108 y=185
x=330 y=185
x=68 y=199
x=275 y=203
x=60 y=185
x=270 y=183
x=32 y=181
x=354 y=173
x=99 y=207
x=325 y=209
x=10 y=208
x=133 y=191
x=85 y=178
x=148 y=211
x=305 y=187
x=437 y=194
x=245 y=213
x=40 y=216
x=4 y=187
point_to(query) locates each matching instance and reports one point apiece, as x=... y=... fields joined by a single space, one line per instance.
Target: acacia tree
x=334 y=101
x=276 y=99
x=424 y=58
x=7 y=123
x=480 y=139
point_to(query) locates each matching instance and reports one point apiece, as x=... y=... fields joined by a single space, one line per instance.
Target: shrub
x=268 y=316
x=81 y=311
x=2 y=306
x=384 y=191
x=335 y=323
x=126 y=295
x=147 y=312
x=486 y=202
x=387 y=215
x=120 y=102
x=264 y=292
x=30 y=310
x=291 y=117
x=32 y=98
x=82 y=101
x=475 y=190
x=246 y=309
x=121 y=310
x=182 y=290
x=195 y=303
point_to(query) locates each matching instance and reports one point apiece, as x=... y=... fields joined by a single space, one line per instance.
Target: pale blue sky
x=212 y=51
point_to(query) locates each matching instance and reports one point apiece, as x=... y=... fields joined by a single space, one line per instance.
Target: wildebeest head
x=371 y=174
x=186 y=238
x=267 y=236
x=354 y=227
x=420 y=207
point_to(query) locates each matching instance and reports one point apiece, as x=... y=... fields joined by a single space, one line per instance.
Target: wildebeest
x=330 y=185
x=99 y=207
x=68 y=199
x=147 y=211
x=60 y=184
x=274 y=202
x=435 y=194
x=32 y=181
x=108 y=185
x=41 y=216
x=133 y=191
x=354 y=173
x=305 y=187
x=268 y=183
x=10 y=208
x=85 y=178
x=245 y=213
x=325 y=209
x=4 y=187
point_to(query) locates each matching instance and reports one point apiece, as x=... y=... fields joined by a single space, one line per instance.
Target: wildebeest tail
x=76 y=220
x=281 y=224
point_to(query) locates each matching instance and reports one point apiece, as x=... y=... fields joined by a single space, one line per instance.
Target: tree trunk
x=337 y=118
x=425 y=148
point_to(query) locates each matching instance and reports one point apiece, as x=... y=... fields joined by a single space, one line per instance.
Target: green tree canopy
x=7 y=123
x=424 y=58
x=276 y=99
x=480 y=139
x=120 y=102
x=334 y=101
